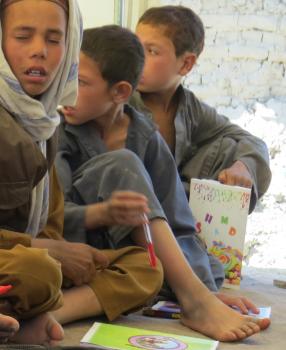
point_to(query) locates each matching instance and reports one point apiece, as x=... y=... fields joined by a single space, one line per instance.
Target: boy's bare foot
x=8 y=327
x=42 y=330
x=214 y=319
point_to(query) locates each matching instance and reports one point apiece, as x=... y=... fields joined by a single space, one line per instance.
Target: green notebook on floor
x=109 y=336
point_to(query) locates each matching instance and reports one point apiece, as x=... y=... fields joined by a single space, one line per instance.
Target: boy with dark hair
x=92 y=163
x=203 y=143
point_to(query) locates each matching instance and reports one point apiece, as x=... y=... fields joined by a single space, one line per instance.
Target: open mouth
x=36 y=72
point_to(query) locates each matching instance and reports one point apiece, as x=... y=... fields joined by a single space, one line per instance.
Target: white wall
x=97 y=12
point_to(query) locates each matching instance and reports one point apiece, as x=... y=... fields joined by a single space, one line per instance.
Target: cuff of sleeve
x=250 y=164
x=74 y=224
x=9 y=239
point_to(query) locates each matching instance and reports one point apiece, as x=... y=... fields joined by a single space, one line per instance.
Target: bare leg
x=43 y=329
x=201 y=309
x=79 y=302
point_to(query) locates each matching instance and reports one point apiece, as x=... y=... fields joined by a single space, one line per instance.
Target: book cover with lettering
x=110 y=336
x=221 y=214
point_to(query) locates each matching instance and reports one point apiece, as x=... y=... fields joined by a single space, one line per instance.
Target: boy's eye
x=22 y=37
x=152 y=51
x=81 y=82
x=54 y=39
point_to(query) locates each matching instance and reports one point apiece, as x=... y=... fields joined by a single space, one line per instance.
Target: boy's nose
x=39 y=48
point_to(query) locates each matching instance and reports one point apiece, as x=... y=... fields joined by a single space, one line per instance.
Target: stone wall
x=244 y=60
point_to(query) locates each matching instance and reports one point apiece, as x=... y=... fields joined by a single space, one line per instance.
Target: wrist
x=49 y=244
x=96 y=215
x=239 y=164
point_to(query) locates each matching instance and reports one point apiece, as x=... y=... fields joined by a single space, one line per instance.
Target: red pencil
x=150 y=246
x=5 y=289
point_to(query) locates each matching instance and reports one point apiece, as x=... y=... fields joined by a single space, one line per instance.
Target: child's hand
x=237 y=174
x=126 y=208
x=244 y=305
x=79 y=261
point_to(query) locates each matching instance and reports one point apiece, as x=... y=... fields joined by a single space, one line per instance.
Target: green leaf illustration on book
x=109 y=336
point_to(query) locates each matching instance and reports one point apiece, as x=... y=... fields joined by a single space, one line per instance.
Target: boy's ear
x=121 y=92
x=188 y=61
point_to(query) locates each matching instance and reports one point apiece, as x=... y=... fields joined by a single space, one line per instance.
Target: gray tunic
x=207 y=143
x=90 y=173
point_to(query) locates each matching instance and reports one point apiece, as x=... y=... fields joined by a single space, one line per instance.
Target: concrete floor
x=257 y=285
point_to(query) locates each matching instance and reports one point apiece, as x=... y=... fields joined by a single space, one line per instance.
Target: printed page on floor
x=109 y=336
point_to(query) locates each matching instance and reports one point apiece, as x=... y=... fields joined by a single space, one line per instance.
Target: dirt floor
x=257 y=285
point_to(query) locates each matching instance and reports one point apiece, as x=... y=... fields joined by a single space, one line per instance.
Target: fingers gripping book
x=220 y=212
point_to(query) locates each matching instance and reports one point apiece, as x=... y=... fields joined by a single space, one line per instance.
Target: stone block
x=278 y=106
x=205 y=66
x=274 y=39
x=267 y=75
x=237 y=85
x=258 y=92
x=210 y=36
x=277 y=56
x=241 y=51
x=262 y=22
x=205 y=91
x=278 y=91
x=195 y=5
x=226 y=38
x=250 y=66
x=208 y=5
x=220 y=22
x=219 y=101
x=214 y=51
x=194 y=78
x=275 y=6
x=282 y=27
x=252 y=37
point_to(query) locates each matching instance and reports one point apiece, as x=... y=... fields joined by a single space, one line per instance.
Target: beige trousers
x=125 y=285
x=36 y=279
x=128 y=283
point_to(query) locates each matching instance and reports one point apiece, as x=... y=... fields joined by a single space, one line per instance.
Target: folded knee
x=33 y=270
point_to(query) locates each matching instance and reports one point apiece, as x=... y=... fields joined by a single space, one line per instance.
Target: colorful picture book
x=169 y=309
x=109 y=336
x=221 y=214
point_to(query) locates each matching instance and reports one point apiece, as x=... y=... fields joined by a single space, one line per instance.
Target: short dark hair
x=117 y=51
x=182 y=25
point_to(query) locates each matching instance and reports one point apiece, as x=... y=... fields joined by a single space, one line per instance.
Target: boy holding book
x=203 y=143
x=92 y=163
